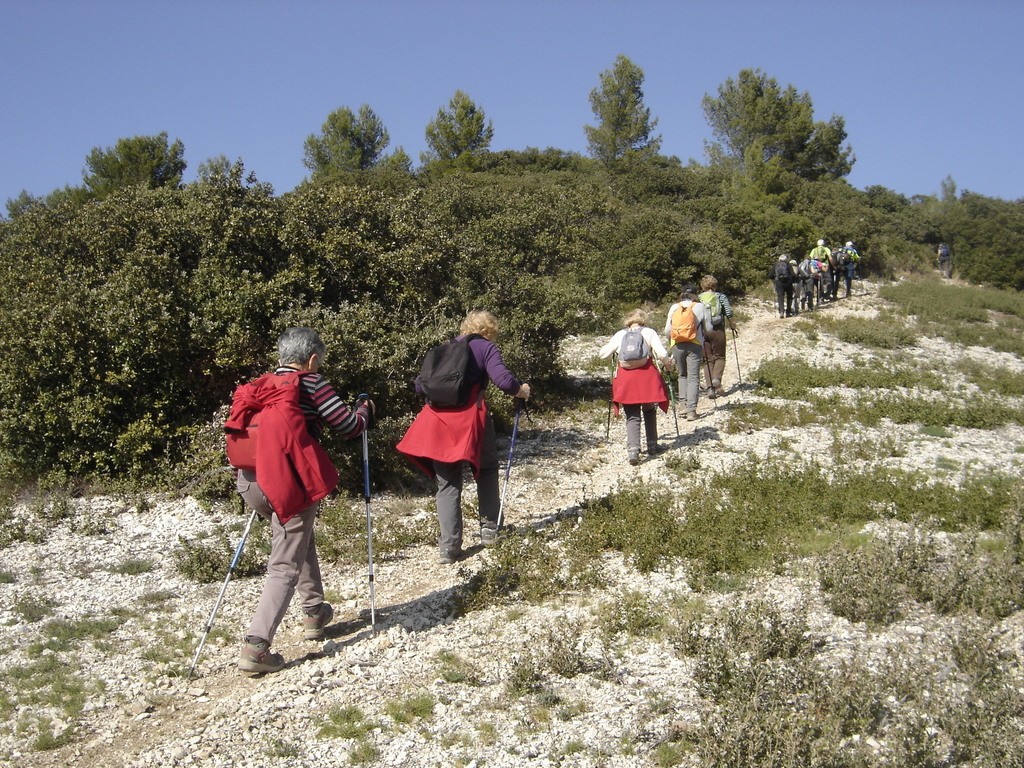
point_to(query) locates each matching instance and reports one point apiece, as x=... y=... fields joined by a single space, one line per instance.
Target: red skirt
x=639 y=386
x=445 y=434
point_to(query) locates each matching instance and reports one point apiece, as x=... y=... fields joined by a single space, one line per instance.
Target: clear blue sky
x=927 y=88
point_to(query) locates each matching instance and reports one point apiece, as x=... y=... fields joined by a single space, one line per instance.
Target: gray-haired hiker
x=291 y=475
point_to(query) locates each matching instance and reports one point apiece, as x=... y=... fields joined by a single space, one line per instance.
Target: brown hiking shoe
x=314 y=625
x=257 y=658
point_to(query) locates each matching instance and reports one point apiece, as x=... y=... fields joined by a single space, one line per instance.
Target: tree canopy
x=346 y=142
x=624 y=123
x=460 y=129
x=755 y=121
x=145 y=160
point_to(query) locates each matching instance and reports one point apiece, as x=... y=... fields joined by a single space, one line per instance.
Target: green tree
x=625 y=124
x=145 y=160
x=347 y=142
x=460 y=130
x=755 y=121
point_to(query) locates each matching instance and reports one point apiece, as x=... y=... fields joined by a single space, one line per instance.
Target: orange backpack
x=684 y=325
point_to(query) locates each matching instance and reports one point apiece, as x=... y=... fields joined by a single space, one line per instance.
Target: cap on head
x=849 y=243
x=792 y=261
x=821 y=242
x=784 y=257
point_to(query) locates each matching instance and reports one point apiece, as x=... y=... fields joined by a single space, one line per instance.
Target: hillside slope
x=627 y=698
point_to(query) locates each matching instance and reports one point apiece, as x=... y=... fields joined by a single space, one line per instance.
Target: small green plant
x=133 y=567
x=346 y=722
x=413 y=708
x=7 y=577
x=455 y=669
x=631 y=613
x=207 y=562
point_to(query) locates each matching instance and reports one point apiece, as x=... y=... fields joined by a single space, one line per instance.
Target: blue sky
x=927 y=89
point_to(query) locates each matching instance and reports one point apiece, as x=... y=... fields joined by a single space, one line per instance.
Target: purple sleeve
x=488 y=358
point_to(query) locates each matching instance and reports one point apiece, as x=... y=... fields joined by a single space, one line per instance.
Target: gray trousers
x=687 y=358
x=650 y=414
x=293 y=564
x=449 y=491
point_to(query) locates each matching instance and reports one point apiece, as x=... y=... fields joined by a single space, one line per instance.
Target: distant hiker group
x=695 y=329
x=814 y=279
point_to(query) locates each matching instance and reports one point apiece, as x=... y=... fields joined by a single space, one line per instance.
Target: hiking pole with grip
x=611 y=396
x=736 y=351
x=223 y=589
x=707 y=361
x=672 y=395
x=369 y=516
x=508 y=462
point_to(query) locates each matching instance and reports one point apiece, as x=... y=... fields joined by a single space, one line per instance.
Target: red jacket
x=293 y=470
x=446 y=434
x=639 y=386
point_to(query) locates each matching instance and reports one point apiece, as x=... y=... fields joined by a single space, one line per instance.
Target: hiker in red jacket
x=292 y=474
x=441 y=441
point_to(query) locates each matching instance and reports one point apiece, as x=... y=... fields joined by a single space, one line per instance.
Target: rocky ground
x=135 y=714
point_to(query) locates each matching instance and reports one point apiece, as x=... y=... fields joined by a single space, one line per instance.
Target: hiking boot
x=634 y=456
x=488 y=535
x=314 y=624
x=257 y=658
x=654 y=449
x=720 y=391
x=691 y=415
x=711 y=393
x=449 y=556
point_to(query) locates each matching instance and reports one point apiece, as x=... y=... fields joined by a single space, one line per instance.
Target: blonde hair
x=637 y=316
x=480 y=321
x=708 y=283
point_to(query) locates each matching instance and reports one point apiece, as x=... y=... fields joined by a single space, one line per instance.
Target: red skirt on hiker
x=445 y=434
x=639 y=386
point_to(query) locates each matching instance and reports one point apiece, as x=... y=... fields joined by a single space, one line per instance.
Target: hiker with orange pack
x=686 y=325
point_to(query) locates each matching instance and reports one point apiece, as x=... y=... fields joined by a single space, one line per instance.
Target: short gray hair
x=297 y=345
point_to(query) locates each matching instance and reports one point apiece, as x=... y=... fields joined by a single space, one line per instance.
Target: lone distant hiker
x=443 y=440
x=720 y=310
x=292 y=475
x=686 y=327
x=822 y=254
x=637 y=384
x=945 y=260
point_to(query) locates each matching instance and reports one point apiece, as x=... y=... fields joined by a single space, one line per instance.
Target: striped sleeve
x=726 y=306
x=327 y=407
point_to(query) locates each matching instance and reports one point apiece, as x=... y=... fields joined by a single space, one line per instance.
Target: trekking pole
x=369 y=520
x=707 y=361
x=672 y=396
x=736 y=351
x=508 y=463
x=223 y=589
x=608 y=423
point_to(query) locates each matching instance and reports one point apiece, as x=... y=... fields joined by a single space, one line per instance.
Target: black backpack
x=445 y=374
x=782 y=273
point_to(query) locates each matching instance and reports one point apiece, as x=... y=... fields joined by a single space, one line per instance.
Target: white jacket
x=650 y=336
